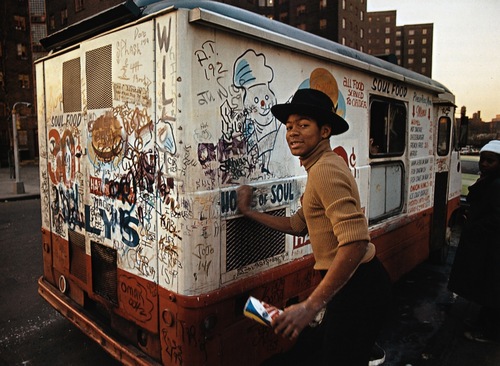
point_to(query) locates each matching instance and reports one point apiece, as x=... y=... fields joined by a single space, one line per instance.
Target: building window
x=411 y=61
x=19 y=22
x=302 y=26
x=424 y=41
x=301 y=9
x=52 y=22
x=411 y=32
x=361 y=15
x=411 y=51
x=424 y=70
x=266 y=3
x=24 y=81
x=424 y=51
x=38 y=31
x=323 y=4
x=78 y=5
x=387 y=30
x=322 y=24
x=22 y=51
x=398 y=53
x=398 y=43
x=361 y=33
x=387 y=41
x=343 y=41
x=424 y=60
x=284 y=17
x=411 y=42
x=387 y=51
x=398 y=33
x=424 y=31
x=64 y=17
x=387 y=19
x=2 y=82
x=343 y=23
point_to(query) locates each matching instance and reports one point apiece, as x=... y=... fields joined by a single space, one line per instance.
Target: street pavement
x=428 y=323
x=28 y=175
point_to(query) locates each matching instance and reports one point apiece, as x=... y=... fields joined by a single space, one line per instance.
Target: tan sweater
x=331 y=211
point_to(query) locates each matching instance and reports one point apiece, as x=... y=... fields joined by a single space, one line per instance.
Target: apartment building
x=22 y=24
x=409 y=46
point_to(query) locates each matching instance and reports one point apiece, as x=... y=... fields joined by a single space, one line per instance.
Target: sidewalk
x=30 y=177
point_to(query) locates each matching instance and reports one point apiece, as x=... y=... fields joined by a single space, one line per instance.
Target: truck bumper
x=123 y=352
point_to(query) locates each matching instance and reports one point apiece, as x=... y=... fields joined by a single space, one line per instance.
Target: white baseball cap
x=492 y=146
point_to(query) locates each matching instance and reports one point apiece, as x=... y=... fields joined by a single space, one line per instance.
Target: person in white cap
x=475 y=273
x=355 y=289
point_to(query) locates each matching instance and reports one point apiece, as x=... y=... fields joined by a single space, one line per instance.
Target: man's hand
x=293 y=320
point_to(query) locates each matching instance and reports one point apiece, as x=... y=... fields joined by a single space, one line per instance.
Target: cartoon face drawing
x=254 y=76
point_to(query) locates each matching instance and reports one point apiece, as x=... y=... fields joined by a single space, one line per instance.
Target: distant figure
x=475 y=274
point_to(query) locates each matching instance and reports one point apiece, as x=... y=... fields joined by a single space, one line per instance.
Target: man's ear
x=326 y=130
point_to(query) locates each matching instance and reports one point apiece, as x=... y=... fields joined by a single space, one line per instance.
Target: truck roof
x=130 y=10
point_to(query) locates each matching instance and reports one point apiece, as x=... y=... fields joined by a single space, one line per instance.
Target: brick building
x=409 y=46
x=22 y=25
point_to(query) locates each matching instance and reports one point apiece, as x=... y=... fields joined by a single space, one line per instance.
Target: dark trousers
x=350 y=326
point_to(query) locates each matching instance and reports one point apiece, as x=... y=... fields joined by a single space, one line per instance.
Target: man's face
x=303 y=134
x=489 y=162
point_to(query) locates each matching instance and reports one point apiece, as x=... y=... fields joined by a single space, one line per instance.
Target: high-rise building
x=409 y=46
x=61 y=13
x=22 y=24
x=342 y=21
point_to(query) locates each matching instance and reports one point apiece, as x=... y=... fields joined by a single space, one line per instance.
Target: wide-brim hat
x=315 y=104
x=492 y=146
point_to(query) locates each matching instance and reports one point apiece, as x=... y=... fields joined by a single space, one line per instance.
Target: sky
x=466 y=47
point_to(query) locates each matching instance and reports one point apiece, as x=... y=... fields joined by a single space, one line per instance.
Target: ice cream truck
x=153 y=113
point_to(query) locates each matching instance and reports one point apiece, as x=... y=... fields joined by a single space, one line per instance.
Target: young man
x=355 y=289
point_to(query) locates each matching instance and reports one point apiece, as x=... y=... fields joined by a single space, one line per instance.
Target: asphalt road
x=31 y=332
x=426 y=328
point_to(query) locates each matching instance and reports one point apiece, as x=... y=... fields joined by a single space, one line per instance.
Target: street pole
x=18 y=186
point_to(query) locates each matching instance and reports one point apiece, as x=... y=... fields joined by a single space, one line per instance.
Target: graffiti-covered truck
x=149 y=122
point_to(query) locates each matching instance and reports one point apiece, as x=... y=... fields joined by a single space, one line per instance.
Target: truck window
x=387 y=128
x=386 y=190
x=387 y=139
x=444 y=129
